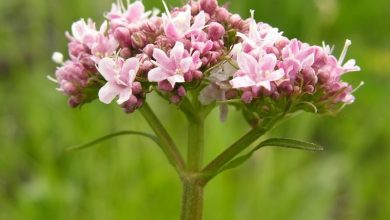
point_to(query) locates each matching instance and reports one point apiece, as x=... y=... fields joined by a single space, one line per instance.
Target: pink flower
x=350 y=65
x=260 y=35
x=86 y=32
x=255 y=73
x=103 y=47
x=174 y=67
x=121 y=16
x=179 y=26
x=120 y=76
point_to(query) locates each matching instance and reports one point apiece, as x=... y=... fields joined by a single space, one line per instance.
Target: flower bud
x=247 y=97
x=74 y=101
x=197 y=74
x=188 y=77
x=222 y=14
x=148 y=50
x=309 y=89
x=181 y=91
x=138 y=40
x=69 y=88
x=236 y=21
x=122 y=35
x=125 y=52
x=175 y=99
x=137 y=88
x=216 y=31
x=75 y=48
x=231 y=94
x=165 y=86
x=209 y=6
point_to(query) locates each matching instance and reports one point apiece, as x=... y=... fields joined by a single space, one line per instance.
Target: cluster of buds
x=203 y=48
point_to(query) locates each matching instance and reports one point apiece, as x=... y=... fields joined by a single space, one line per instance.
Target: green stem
x=192 y=206
x=167 y=143
x=195 y=145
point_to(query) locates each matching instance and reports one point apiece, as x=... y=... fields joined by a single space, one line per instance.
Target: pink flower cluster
x=202 y=47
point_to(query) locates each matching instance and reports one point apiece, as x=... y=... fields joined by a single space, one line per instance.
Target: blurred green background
x=128 y=178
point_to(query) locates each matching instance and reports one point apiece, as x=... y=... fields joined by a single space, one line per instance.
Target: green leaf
x=116 y=134
x=273 y=142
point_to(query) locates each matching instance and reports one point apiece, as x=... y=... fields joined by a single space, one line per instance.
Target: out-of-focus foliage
x=128 y=178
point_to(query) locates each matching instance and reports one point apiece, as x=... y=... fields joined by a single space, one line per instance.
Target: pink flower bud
x=231 y=94
x=69 y=88
x=87 y=62
x=74 y=101
x=75 y=48
x=222 y=14
x=309 y=76
x=148 y=50
x=236 y=21
x=195 y=7
x=323 y=77
x=146 y=66
x=122 y=35
x=309 y=89
x=136 y=88
x=125 y=52
x=138 y=40
x=165 y=86
x=181 y=91
x=216 y=31
x=188 y=77
x=175 y=99
x=247 y=97
x=197 y=75
x=209 y=6
x=140 y=103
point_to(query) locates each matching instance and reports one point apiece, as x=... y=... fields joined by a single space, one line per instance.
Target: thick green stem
x=167 y=144
x=192 y=206
x=195 y=145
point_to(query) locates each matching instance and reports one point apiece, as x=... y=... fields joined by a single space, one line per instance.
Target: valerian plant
x=199 y=57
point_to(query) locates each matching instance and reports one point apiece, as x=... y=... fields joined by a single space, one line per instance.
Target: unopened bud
x=122 y=35
x=209 y=6
x=181 y=91
x=247 y=97
x=216 y=31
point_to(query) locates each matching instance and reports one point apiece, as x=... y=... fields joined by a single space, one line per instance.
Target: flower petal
x=265 y=84
x=157 y=75
x=124 y=95
x=108 y=92
x=175 y=79
x=199 y=21
x=108 y=68
x=177 y=53
x=267 y=63
x=247 y=63
x=163 y=60
x=185 y=64
x=276 y=75
x=242 y=82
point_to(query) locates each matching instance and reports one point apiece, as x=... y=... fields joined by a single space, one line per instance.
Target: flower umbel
x=197 y=57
